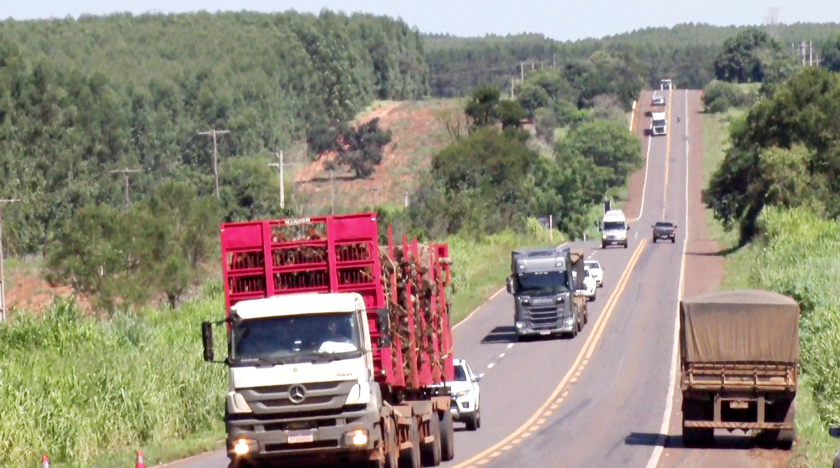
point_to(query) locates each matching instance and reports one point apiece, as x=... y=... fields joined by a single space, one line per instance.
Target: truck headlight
x=242 y=446
x=461 y=393
x=519 y=325
x=358 y=437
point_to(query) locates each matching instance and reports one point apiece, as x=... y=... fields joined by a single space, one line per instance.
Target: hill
x=419 y=130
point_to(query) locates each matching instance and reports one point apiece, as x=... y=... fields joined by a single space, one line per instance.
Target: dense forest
x=686 y=52
x=81 y=97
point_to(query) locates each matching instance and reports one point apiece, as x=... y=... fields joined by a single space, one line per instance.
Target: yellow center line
x=588 y=348
x=667 y=154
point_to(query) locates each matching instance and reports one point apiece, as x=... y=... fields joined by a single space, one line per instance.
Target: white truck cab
x=665 y=83
x=659 y=124
x=614 y=229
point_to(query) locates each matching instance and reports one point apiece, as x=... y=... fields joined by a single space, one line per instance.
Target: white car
x=658 y=101
x=596 y=271
x=589 y=284
x=466 y=397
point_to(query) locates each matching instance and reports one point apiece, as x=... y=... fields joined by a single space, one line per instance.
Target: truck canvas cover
x=577 y=257
x=739 y=326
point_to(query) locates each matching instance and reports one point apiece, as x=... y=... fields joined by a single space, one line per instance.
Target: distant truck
x=339 y=350
x=665 y=83
x=739 y=365
x=544 y=283
x=659 y=124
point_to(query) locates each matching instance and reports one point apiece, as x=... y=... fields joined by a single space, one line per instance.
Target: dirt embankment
x=418 y=129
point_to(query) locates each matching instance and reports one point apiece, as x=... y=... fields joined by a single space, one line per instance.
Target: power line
x=213 y=133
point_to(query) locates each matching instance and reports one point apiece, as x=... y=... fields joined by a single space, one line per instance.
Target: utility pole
x=126 y=174
x=374 y=189
x=213 y=133
x=3 y=310
x=512 y=85
x=280 y=166
x=554 y=61
x=332 y=192
x=810 y=53
x=406 y=198
x=521 y=72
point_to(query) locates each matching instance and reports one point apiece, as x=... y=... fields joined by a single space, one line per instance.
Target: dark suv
x=664 y=230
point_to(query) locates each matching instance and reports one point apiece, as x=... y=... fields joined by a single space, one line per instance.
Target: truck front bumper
x=330 y=440
x=527 y=329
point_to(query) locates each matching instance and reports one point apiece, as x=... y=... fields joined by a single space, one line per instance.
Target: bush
x=719 y=96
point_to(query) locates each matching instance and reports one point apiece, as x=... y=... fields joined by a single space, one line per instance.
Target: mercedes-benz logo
x=297 y=393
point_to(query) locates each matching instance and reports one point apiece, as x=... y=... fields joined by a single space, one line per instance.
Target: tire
x=783 y=438
x=654 y=239
x=473 y=420
x=692 y=436
x=625 y=245
x=234 y=462
x=580 y=323
x=585 y=315
x=603 y=245
x=431 y=453
x=592 y=299
x=447 y=436
x=478 y=413
x=574 y=331
x=389 y=437
x=410 y=457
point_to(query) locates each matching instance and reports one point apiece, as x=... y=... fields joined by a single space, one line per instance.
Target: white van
x=659 y=125
x=614 y=229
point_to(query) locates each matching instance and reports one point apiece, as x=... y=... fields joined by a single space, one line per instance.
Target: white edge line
x=490 y=366
x=669 y=403
x=485 y=302
x=647 y=169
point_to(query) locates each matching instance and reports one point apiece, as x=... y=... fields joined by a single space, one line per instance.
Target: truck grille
x=318 y=396
x=544 y=317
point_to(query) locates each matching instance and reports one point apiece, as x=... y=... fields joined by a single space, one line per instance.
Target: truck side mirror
x=207 y=339
x=383 y=324
x=834 y=432
x=509 y=284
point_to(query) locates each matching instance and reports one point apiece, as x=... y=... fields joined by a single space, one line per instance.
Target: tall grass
x=76 y=387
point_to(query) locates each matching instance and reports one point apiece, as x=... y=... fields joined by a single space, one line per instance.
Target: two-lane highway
x=597 y=399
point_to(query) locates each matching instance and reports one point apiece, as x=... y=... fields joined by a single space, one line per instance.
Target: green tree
x=748 y=57
x=607 y=144
x=481 y=108
x=360 y=149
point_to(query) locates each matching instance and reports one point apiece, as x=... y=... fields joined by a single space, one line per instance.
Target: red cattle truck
x=337 y=347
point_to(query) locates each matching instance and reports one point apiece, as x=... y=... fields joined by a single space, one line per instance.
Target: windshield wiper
x=259 y=362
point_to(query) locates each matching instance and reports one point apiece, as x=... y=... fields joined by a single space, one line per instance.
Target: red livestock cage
x=336 y=254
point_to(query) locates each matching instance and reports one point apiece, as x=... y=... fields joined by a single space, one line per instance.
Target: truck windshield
x=613 y=226
x=658 y=123
x=543 y=282
x=296 y=338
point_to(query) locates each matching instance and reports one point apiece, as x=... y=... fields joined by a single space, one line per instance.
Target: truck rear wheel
x=431 y=453
x=696 y=411
x=447 y=436
x=782 y=438
x=410 y=457
x=391 y=449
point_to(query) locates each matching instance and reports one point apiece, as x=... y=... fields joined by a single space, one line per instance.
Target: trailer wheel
x=780 y=438
x=696 y=411
x=447 y=436
x=392 y=451
x=410 y=457
x=431 y=453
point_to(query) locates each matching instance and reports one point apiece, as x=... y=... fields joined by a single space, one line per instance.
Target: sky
x=557 y=19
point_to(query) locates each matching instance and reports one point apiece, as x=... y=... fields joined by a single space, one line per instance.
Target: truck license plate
x=544 y=333
x=739 y=404
x=300 y=437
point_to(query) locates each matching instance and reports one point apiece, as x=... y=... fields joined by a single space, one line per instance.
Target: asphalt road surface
x=601 y=398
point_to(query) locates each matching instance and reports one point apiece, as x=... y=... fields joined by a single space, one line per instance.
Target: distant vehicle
x=614 y=229
x=466 y=401
x=665 y=84
x=664 y=230
x=543 y=283
x=596 y=271
x=835 y=432
x=590 y=284
x=739 y=361
x=659 y=124
x=658 y=101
